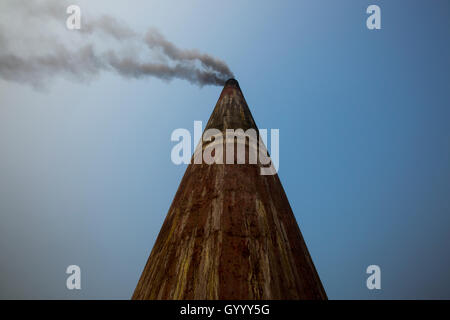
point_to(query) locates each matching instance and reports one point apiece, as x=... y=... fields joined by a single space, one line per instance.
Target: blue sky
x=86 y=176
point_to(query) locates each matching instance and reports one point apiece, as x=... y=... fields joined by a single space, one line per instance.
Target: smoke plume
x=36 y=47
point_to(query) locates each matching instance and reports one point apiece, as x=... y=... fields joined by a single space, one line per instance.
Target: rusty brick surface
x=230 y=232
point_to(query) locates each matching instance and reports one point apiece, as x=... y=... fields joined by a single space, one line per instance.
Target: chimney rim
x=232 y=82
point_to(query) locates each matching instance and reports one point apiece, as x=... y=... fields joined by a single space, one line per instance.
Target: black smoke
x=81 y=55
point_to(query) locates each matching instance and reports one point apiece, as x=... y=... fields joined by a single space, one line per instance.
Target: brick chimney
x=230 y=232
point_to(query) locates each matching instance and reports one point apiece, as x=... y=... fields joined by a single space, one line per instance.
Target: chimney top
x=232 y=82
